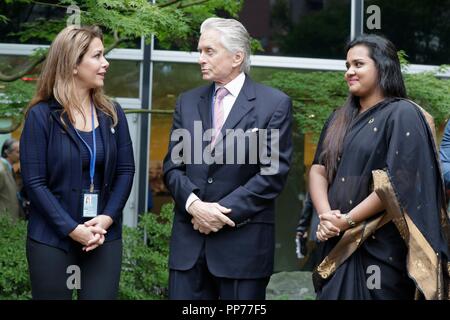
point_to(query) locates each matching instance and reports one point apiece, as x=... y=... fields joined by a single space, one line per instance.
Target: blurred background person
x=9 y=203
x=305 y=235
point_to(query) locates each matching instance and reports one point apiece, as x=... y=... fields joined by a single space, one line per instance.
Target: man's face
x=217 y=63
x=13 y=154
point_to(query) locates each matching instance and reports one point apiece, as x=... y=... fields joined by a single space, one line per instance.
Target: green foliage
x=14 y=279
x=403 y=57
x=3 y=19
x=316 y=94
x=431 y=93
x=168 y=20
x=35 y=29
x=18 y=94
x=145 y=257
x=144 y=265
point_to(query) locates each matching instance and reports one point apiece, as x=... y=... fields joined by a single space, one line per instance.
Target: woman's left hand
x=102 y=221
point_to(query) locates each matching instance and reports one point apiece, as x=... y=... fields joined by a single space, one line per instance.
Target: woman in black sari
x=377 y=187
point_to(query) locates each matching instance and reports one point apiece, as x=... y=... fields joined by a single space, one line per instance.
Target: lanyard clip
x=91 y=188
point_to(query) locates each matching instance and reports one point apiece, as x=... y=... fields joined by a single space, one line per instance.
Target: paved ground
x=291 y=286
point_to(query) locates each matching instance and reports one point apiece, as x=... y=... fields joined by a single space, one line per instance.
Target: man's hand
x=196 y=226
x=209 y=216
x=101 y=221
x=331 y=224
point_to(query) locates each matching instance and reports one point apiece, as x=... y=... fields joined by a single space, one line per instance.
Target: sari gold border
x=422 y=262
x=351 y=239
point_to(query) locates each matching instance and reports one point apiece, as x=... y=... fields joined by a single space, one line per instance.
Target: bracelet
x=350 y=222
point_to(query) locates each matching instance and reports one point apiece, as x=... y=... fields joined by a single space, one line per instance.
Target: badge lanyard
x=92 y=153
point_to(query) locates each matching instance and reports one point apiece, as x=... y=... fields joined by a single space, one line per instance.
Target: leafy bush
x=145 y=257
x=14 y=279
x=314 y=95
x=144 y=265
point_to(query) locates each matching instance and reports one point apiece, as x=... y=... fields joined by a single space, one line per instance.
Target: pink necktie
x=218 y=111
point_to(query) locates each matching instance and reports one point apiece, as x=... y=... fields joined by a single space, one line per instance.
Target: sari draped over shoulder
x=402 y=252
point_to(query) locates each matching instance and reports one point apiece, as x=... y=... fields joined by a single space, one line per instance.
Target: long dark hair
x=390 y=80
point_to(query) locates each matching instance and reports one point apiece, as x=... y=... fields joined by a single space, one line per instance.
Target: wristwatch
x=350 y=222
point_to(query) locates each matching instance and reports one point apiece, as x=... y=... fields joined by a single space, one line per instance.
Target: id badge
x=90 y=203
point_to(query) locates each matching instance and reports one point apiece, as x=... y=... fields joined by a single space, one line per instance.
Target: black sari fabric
x=391 y=136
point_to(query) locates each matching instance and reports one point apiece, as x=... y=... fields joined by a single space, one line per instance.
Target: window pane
x=298 y=28
x=12 y=64
x=169 y=80
x=420 y=28
x=122 y=79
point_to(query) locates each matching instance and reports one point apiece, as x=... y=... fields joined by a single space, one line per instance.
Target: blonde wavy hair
x=57 y=79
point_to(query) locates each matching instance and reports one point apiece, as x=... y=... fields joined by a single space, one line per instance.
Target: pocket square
x=252 y=130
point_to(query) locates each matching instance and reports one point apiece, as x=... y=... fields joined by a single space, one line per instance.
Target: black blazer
x=52 y=173
x=246 y=251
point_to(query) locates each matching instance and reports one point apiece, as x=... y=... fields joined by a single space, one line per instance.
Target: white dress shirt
x=233 y=87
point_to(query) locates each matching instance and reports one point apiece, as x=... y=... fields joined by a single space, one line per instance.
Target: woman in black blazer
x=77 y=167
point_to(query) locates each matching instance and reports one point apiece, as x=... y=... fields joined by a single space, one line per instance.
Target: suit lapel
x=204 y=107
x=243 y=104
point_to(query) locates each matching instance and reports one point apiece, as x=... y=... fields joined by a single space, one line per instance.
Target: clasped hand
x=91 y=234
x=331 y=224
x=209 y=216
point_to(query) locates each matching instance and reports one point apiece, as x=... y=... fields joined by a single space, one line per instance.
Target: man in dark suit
x=228 y=159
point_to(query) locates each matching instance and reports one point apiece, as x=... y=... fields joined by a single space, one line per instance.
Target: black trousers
x=198 y=283
x=55 y=273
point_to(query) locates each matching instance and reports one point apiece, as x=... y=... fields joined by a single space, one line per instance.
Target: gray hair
x=7 y=147
x=234 y=37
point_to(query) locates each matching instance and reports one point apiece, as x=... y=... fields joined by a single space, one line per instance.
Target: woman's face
x=90 y=73
x=362 y=74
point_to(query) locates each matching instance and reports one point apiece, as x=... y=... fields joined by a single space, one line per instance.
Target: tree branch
x=53 y=5
x=21 y=73
x=170 y=3
x=27 y=70
x=117 y=41
x=181 y=6
x=11 y=128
